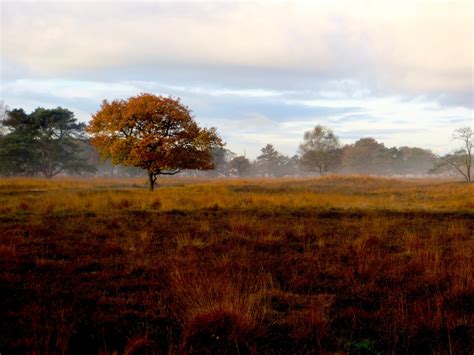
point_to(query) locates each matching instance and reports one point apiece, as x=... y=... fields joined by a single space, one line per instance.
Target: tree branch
x=454 y=165
x=171 y=173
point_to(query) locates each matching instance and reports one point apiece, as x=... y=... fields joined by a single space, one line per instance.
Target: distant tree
x=46 y=142
x=320 y=150
x=414 y=160
x=461 y=159
x=286 y=166
x=221 y=158
x=270 y=160
x=367 y=156
x=154 y=133
x=240 y=165
x=292 y=165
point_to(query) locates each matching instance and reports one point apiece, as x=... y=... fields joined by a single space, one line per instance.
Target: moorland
x=335 y=264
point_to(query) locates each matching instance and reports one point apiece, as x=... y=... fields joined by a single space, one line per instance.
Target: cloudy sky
x=261 y=72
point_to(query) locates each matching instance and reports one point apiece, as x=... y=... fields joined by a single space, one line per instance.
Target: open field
x=337 y=264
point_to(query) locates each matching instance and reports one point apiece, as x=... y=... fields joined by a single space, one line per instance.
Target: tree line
x=366 y=156
x=157 y=135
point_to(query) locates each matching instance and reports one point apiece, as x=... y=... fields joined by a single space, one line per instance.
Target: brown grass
x=338 y=264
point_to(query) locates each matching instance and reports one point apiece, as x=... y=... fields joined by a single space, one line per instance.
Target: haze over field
x=235 y=177
x=261 y=72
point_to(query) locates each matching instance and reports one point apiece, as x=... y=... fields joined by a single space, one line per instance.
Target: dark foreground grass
x=237 y=280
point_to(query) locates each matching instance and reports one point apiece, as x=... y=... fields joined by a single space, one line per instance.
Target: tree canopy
x=240 y=165
x=154 y=133
x=271 y=160
x=46 y=142
x=320 y=150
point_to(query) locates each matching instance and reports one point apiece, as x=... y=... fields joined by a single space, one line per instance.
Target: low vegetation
x=335 y=264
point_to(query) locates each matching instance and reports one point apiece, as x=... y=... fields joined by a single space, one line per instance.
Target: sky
x=259 y=71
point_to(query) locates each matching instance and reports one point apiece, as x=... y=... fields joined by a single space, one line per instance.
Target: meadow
x=337 y=264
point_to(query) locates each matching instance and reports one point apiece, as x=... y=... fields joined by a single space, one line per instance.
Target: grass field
x=338 y=264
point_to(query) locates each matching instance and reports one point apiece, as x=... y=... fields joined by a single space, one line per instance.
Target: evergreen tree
x=46 y=142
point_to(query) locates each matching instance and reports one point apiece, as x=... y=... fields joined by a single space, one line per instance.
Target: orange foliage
x=152 y=132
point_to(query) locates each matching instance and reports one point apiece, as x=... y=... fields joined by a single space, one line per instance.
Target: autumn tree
x=154 y=133
x=320 y=150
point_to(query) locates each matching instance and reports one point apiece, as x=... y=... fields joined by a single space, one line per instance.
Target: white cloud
x=254 y=120
x=258 y=92
x=67 y=89
x=406 y=46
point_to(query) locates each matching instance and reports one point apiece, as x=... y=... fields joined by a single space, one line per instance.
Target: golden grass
x=39 y=196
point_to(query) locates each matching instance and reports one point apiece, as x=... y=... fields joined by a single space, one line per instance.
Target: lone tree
x=154 y=133
x=320 y=150
x=461 y=159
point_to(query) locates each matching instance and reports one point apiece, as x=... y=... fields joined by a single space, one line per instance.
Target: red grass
x=258 y=279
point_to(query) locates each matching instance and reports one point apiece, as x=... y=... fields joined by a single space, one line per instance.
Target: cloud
x=403 y=47
x=256 y=120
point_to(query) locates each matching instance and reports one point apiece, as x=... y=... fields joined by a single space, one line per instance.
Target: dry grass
x=338 y=264
x=346 y=193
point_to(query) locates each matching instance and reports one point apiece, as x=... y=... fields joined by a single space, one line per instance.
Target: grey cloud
x=356 y=134
x=281 y=46
x=256 y=120
x=463 y=98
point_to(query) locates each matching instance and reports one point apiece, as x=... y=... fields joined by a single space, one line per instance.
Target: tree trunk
x=151 y=181
x=468 y=165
